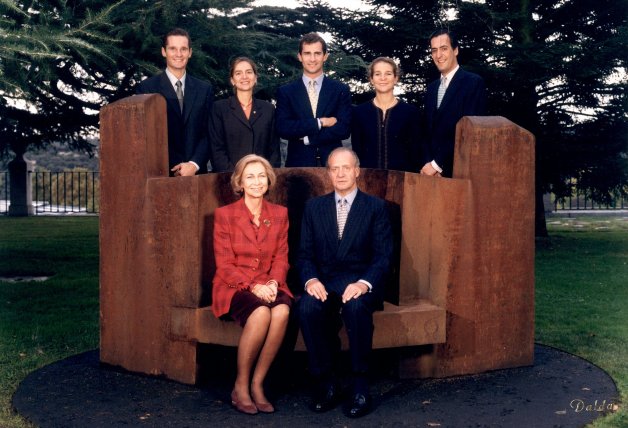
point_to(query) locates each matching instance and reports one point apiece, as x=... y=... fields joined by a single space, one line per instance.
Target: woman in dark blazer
x=251 y=252
x=242 y=124
x=385 y=131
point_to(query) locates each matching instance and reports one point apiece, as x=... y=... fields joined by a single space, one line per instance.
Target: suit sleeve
x=382 y=248
x=219 y=156
x=275 y=146
x=290 y=124
x=227 y=273
x=342 y=129
x=476 y=101
x=141 y=88
x=306 y=259
x=415 y=141
x=202 y=153
x=357 y=133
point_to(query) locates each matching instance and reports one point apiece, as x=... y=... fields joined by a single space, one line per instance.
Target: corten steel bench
x=461 y=297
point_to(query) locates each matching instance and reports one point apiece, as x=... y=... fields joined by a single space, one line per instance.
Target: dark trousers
x=320 y=323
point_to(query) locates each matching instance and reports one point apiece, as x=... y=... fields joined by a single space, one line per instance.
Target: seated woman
x=251 y=251
x=385 y=131
x=241 y=124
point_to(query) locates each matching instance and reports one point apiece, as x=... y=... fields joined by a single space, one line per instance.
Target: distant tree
x=48 y=52
x=60 y=62
x=558 y=69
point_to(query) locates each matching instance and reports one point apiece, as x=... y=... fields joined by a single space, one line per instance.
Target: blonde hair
x=236 y=177
x=387 y=60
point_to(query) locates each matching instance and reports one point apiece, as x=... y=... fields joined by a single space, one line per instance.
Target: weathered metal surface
x=465 y=244
x=490 y=286
x=395 y=326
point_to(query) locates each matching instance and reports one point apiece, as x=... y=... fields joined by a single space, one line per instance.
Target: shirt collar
x=318 y=80
x=450 y=75
x=173 y=79
x=350 y=197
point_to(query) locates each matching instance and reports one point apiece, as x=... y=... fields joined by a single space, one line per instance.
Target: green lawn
x=42 y=322
x=581 y=277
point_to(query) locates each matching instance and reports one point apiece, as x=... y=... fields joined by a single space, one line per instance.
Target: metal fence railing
x=78 y=192
x=58 y=192
x=580 y=201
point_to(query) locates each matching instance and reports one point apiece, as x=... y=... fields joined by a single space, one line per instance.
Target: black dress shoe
x=326 y=399
x=360 y=405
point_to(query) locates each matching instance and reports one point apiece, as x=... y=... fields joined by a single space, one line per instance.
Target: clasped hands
x=266 y=292
x=354 y=290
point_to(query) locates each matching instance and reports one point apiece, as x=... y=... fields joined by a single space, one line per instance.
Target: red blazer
x=244 y=259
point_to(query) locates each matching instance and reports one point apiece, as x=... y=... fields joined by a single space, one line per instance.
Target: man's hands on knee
x=316 y=289
x=353 y=291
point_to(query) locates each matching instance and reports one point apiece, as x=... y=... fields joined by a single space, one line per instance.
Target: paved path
x=79 y=392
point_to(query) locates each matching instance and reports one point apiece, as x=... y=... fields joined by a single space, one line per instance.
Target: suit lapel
x=237 y=112
x=256 y=113
x=166 y=89
x=352 y=224
x=329 y=222
x=302 y=99
x=265 y=223
x=244 y=221
x=189 y=97
x=324 y=96
x=452 y=88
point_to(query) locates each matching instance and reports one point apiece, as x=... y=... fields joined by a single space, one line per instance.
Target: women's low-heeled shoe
x=264 y=407
x=249 y=409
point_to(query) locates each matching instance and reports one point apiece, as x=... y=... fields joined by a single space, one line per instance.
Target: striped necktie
x=312 y=95
x=441 y=91
x=343 y=212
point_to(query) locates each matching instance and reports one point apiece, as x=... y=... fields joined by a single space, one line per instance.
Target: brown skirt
x=243 y=303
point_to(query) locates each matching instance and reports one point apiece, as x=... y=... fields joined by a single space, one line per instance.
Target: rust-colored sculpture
x=461 y=299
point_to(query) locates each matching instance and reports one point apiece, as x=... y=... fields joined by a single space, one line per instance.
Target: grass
x=581 y=299
x=582 y=296
x=42 y=322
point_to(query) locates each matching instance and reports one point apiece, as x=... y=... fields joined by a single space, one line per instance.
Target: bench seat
x=419 y=323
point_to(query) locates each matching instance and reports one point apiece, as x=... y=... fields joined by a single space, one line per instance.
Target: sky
x=349 y=4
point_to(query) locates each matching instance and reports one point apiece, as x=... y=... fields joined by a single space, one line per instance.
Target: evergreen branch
x=12 y=6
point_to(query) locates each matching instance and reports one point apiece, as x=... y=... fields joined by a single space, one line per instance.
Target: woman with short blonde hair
x=249 y=286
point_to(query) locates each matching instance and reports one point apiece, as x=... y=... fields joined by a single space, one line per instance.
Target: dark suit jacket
x=233 y=135
x=465 y=96
x=244 y=258
x=389 y=143
x=295 y=120
x=364 y=252
x=188 y=132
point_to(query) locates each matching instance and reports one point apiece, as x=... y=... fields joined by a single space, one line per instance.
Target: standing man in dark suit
x=456 y=94
x=188 y=104
x=314 y=112
x=344 y=259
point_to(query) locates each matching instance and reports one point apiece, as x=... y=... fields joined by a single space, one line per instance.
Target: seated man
x=344 y=257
